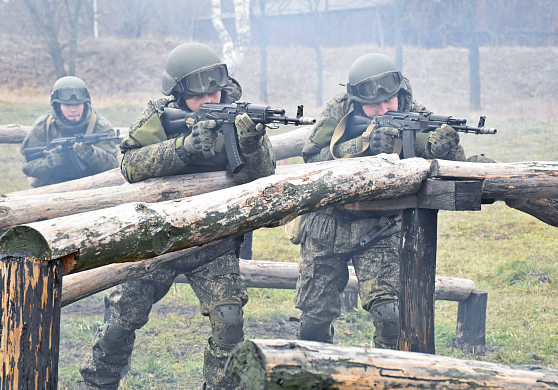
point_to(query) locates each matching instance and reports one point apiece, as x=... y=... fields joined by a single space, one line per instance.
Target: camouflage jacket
x=103 y=158
x=317 y=146
x=149 y=152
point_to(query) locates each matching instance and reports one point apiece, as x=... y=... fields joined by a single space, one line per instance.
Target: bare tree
x=46 y=17
x=233 y=54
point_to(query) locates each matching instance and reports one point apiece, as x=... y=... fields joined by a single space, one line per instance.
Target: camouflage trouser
x=214 y=275
x=323 y=272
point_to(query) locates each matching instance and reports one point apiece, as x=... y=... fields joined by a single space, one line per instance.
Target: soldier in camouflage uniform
x=332 y=235
x=193 y=76
x=71 y=114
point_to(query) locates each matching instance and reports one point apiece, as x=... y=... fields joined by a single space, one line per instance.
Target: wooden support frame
x=418 y=259
x=29 y=315
x=471 y=323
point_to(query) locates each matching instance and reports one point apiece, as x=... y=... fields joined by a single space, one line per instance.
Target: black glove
x=202 y=139
x=383 y=140
x=442 y=141
x=54 y=157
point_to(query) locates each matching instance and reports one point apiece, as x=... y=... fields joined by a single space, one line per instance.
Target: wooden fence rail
x=295 y=364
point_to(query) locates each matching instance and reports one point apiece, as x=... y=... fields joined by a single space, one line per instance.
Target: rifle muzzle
x=306 y=120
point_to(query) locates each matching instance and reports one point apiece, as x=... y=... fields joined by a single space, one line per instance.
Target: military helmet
x=374 y=78
x=69 y=90
x=193 y=69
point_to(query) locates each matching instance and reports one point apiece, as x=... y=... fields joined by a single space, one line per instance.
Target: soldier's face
x=379 y=109
x=194 y=103
x=72 y=112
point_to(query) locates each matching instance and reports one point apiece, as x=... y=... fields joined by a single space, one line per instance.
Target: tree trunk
x=285 y=145
x=29 y=316
x=474 y=55
x=528 y=180
x=263 y=52
x=289 y=364
x=534 y=180
x=137 y=231
x=255 y=274
x=13 y=134
x=544 y=209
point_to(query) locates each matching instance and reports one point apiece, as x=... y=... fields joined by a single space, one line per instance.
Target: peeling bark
x=137 y=231
x=289 y=364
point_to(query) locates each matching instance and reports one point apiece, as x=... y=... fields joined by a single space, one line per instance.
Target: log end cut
x=247 y=368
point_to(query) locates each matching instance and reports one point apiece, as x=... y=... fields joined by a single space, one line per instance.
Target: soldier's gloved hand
x=356 y=124
x=442 y=141
x=83 y=151
x=248 y=131
x=54 y=157
x=202 y=139
x=383 y=140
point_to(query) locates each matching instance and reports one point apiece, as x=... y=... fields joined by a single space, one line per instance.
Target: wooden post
x=30 y=313
x=471 y=323
x=417 y=278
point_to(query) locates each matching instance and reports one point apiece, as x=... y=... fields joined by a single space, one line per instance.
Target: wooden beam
x=29 y=315
x=528 y=180
x=254 y=273
x=137 y=231
x=416 y=280
x=285 y=145
x=295 y=364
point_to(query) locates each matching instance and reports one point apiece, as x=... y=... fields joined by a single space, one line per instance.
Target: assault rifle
x=408 y=123
x=174 y=121
x=67 y=146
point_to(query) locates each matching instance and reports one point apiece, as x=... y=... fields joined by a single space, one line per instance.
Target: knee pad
x=114 y=337
x=315 y=332
x=386 y=320
x=226 y=324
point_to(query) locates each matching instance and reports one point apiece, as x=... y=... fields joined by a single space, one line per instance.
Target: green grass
x=509 y=254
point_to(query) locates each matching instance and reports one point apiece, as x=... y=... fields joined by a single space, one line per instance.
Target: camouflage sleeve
x=317 y=146
x=36 y=137
x=259 y=159
x=104 y=152
x=146 y=152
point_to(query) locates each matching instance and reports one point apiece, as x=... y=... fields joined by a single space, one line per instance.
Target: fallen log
x=18 y=210
x=137 y=231
x=13 y=133
x=289 y=364
x=545 y=210
x=255 y=274
x=285 y=145
x=527 y=180
x=521 y=181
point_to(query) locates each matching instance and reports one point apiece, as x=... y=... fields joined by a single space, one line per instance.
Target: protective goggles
x=205 y=80
x=370 y=88
x=74 y=93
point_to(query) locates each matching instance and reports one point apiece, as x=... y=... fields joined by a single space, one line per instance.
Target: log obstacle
x=286 y=364
x=137 y=231
x=285 y=145
x=515 y=182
